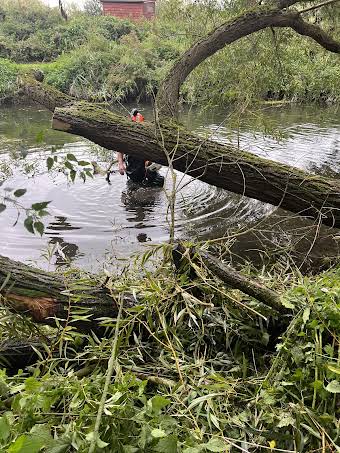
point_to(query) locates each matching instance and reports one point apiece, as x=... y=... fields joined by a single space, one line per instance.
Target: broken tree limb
x=234 y=279
x=184 y=258
x=45 y=296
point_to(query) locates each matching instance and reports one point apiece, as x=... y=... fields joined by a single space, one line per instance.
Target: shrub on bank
x=8 y=76
x=134 y=57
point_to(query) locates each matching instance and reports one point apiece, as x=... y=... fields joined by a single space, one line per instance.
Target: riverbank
x=196 y=367
x=104 y=58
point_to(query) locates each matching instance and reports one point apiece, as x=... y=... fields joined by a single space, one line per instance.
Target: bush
x=8 y=75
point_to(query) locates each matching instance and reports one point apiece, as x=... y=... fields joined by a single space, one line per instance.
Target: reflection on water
x=92 y=221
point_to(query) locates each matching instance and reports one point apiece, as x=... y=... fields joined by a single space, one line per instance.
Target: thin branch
x=320 y=5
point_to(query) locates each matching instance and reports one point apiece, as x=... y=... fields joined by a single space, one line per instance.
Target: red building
x=129 y=9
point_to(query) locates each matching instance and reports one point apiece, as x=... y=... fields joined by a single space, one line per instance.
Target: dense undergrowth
x=217 y=372
x=107 y=58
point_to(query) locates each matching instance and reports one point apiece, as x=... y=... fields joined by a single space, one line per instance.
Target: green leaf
x=197 y=449
x=311 y=431
x=2 y=207
x=69 y=165
x=329 y=350
x=73 y=175
x=167 y=445
x=286 y=419
x=317 y=385
x=83 y=163
x=28 y=224
x=286 y=302
x=214 y=420
x=101 y=443
x=335 y=369
x=217 y=445
x=71 y=156
x=158 y=433
x=201 y=399
x=20 y=192
x=41 y=431
x=50 y=163
x=4 y=428
x=26 y=444
x=40 y=227
x=129 y=449
x=43 y=213
x=158 y=403
x=58 y=446
x=333 y=387
x=305 y=315
x=32 y=385
x=40 y=206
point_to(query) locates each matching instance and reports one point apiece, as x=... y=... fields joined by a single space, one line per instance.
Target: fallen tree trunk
x=222 y=166
x=238 y=171
x=45 y=296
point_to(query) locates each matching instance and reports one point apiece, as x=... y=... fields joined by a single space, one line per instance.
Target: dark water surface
x=97 y=222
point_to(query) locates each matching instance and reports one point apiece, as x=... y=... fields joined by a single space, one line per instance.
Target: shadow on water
x=92 y=222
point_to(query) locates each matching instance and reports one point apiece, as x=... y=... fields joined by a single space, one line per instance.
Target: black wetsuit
x=136 y=171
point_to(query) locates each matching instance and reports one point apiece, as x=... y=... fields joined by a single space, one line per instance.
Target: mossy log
x=49 y=296
x=243 y=283
x=223 y=166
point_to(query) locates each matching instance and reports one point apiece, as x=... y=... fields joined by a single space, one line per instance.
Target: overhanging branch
x=244 y=25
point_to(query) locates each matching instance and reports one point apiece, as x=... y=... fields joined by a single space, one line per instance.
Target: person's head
x=134 y=112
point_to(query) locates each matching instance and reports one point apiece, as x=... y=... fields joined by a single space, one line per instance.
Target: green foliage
x=8 y=75
x=102 y=57
x=192 y=375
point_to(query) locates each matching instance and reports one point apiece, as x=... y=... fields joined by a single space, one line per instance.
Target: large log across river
x=223 y=166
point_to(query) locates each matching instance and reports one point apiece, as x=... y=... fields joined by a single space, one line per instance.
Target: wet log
x=46 y=296
x=223 y=166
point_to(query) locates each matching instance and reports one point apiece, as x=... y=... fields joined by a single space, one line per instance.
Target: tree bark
x=223 y=166
x=45 y=296
x=245 y=284
x=184 y=257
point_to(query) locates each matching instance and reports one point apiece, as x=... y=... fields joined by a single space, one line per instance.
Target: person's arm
x=121 y=163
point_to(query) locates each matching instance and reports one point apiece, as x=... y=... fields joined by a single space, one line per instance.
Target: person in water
x=138 y=170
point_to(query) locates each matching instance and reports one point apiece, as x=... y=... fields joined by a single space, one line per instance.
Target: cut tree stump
x=45 y=296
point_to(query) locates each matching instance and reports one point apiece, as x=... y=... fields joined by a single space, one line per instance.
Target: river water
x=95 y=222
